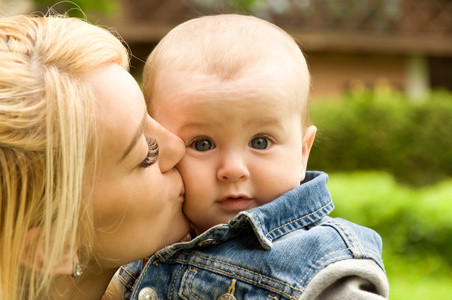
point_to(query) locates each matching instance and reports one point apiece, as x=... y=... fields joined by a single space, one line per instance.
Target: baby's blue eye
x=260 y=143
x=203 y=145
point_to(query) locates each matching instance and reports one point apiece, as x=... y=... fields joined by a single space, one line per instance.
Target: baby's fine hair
x=226 y=46
x=47 y=140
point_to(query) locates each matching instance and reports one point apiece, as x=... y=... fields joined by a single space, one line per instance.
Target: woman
x=86 y=175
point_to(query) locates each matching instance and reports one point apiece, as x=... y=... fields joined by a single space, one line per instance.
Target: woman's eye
x=203 y=145
x=260 y=143
x=152 y=155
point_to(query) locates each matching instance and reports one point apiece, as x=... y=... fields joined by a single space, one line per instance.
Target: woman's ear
x=33 y=249
x=308 y=141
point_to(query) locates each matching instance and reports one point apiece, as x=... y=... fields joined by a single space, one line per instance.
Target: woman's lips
x=182 y=191
x=235 y=203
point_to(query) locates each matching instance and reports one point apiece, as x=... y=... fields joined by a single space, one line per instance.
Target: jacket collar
x=299 y=208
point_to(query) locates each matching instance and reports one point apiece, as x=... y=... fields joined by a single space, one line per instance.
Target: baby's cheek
x=189 y=170
x=188 y=210
x=193 y=213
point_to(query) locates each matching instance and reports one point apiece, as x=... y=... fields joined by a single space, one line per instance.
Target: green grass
x=415 y=224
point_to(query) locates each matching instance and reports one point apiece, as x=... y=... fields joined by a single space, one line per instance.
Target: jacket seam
x=319 y=266
x=300 y=218
x=174 y=281
x=347 y=234
x=241 y=277
x=124 y=280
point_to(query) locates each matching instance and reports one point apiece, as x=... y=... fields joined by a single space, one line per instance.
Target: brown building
x=406 y=43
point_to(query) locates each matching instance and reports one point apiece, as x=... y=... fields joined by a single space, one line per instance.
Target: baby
x=239 y=100
x=235 y=89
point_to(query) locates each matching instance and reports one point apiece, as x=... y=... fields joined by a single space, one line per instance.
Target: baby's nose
x=233 y=168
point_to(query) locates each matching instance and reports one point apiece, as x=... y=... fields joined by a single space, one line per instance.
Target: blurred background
x=381 y=98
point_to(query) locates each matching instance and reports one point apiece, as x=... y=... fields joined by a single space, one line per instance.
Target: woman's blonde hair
x=47 y=141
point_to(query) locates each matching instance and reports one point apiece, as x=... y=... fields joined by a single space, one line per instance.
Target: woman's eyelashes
x=152 y=155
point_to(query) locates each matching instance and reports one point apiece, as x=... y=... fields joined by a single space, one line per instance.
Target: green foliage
x=78 y=8
x=380 y=130
x=414 y=224
x=228 y=6
x=247 y=6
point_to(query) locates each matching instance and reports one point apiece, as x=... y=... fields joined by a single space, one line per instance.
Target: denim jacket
x=269 y=252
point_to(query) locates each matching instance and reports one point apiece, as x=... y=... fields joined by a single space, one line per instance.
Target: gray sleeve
x=348 y=279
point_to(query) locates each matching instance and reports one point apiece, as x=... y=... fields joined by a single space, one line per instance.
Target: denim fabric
x=269 y=252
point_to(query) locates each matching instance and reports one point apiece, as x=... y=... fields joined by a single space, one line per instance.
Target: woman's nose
x=171 y=147
x=233 y=168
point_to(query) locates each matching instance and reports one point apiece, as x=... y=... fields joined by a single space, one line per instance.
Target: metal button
x=147 y=294
x=226 y=297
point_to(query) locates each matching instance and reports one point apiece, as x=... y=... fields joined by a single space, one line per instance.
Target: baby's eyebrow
x=198 y=125
x=256 y=123
x=265 y=122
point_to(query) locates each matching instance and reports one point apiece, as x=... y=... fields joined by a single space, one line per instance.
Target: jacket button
x=147 y=294
x=226 y=297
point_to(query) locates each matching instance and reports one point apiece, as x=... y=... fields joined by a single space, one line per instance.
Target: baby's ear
x=308 y=141
x=63 y=267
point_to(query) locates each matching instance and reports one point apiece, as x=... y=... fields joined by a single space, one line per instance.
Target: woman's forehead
x=120 y=109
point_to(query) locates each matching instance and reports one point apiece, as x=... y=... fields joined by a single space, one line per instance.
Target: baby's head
x=235 y=89
x=231 y=47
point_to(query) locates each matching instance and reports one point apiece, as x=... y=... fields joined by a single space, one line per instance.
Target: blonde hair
x=47 y=141
x=227 y=46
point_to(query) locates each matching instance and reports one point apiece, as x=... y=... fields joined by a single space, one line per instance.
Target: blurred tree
x=239 y=6
x=245 y=5
x=78 y=8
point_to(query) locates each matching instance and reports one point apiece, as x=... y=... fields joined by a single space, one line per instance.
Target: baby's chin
x=201 y=228
x=200 y=222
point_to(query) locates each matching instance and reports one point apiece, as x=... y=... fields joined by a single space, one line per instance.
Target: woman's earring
x=77 y=270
